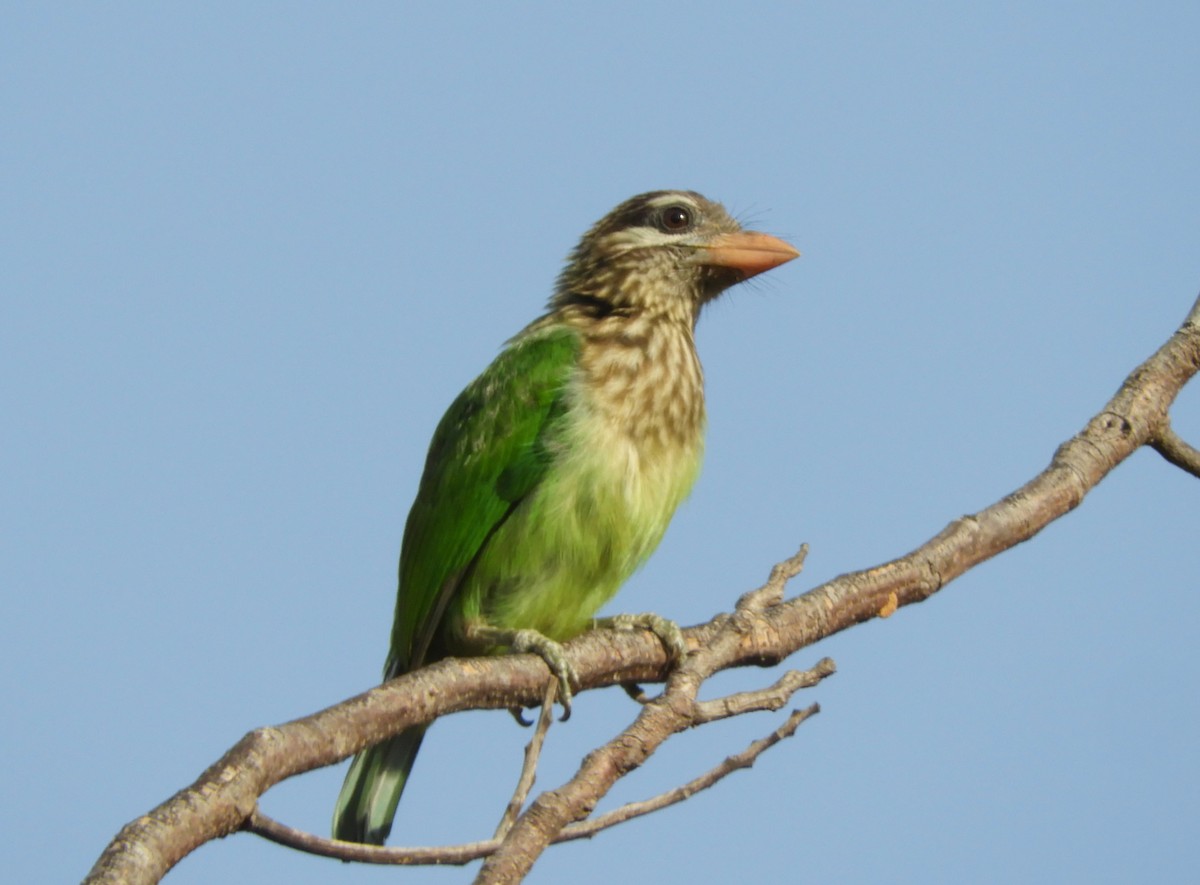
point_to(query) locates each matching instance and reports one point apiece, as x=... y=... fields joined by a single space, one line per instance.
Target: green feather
x=488 y=452
x=367 y=803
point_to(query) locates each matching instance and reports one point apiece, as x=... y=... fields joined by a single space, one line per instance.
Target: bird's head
x=664 y=252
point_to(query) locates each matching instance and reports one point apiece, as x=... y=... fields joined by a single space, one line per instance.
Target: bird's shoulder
x=504 y=408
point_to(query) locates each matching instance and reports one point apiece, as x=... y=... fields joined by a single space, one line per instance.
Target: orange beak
x=747 y=251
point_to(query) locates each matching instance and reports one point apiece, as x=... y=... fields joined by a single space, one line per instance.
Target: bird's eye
x=675 y=219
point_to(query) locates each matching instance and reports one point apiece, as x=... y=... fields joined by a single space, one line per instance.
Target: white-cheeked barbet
x=553 y=475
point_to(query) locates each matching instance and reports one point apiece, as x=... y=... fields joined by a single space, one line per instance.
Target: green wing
x=489 y=451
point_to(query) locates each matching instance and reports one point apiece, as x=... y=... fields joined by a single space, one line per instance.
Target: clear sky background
x=251 y=254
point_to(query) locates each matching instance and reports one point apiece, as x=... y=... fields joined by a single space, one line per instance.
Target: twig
x=282 y=834
x=771 y=698
x=533 y=751
x=771 y=593
x=1172 y=447
x=587 y=829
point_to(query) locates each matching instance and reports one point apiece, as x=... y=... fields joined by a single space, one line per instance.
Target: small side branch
x=744 y=759
x=771 y=698
x=450 y=855
x=1172 y=447
x=533 y=752
x=771 y=593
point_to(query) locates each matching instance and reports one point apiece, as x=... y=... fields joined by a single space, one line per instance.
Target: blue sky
x=251 y=254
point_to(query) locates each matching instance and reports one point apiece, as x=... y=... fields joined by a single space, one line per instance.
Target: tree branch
x=744 y=759
x=762 y=631
x=458 y=855
x=1172 y=447
x=1130 y=419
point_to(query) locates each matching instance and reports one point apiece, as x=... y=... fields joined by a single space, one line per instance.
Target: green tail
x=368 y=800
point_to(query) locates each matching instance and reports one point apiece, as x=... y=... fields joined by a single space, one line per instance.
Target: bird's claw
x=533 y=642
x=519 y=714
x=636 y=692
x=666 y=630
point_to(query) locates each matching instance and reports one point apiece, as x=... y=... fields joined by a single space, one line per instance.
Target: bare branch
x=1130 y=419
x=744 y=759
x=763 y=630
x=771 y=698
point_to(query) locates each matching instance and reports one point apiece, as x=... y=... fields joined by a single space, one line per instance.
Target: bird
x=552 y=477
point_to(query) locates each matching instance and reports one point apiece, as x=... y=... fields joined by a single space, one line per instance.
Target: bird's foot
x=533 y=642
x=666 y=630
x=530 y=642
